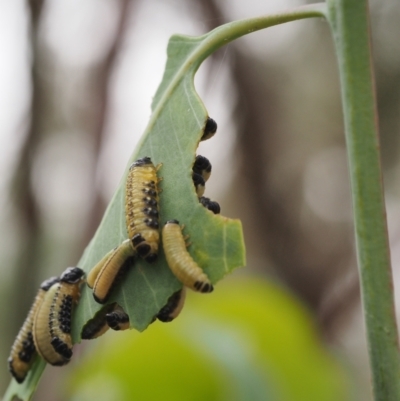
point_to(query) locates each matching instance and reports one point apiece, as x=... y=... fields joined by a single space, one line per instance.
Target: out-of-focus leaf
x=249 y=340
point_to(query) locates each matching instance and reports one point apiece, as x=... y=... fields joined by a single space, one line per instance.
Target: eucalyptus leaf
x=171 y=139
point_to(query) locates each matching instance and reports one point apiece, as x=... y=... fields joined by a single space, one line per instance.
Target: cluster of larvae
x=143 y=227
x=47 y=329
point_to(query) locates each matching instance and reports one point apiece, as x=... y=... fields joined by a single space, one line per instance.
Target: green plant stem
x=349 y=21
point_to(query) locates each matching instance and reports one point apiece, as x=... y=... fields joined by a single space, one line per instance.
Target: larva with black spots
x=52 y=324
x=210 y=129
x=186 y=270
x=110 y=316
x=199 y=184
x=213 y=206
x=141 y=208
x=23 y=350
x=97 y=326
x=118 y=319
x=109 y=270
x=202 y=166
x=173 y=307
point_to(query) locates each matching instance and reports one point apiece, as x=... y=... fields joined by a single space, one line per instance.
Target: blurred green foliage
x=249 y=340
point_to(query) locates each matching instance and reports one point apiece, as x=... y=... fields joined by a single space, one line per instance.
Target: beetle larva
x=210 y=129
x=112 y=267
x=23 y=350
x=141 y=208
x=173 y=307
x=199 y=184
x=186 y=270
x=97 y=326
x=110 y=316
x=210 y=205
x=202 y=166
x=117 y=319
x=52 y=324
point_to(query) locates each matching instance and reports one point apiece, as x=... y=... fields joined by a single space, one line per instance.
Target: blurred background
x=77 y=80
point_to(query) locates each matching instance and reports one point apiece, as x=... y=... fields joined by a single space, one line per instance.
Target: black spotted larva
x=110 y=316
x=202 y=166
x=141 y=208
x=210 y=205
x=117 y=319
x=199 y=184
x=52 y=323
x=23 y=350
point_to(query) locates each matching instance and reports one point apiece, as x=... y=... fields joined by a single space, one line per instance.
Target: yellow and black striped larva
x=210 y=205
x=109 y=270
x=52 y=323
x=199 y=184
x=111 y=316
x=186 y=270
x=202 y=166
x=141 y=208
x=209 y=130
x=173 y=307
x=23 y=350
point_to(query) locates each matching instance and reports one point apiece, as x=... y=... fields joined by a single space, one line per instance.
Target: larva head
x=210 y=129
x=72 y=275
x=146 y=250
x=201 y=164
x=210 y=205
x=118 y=319
x=172 y=222
x=45 y=286
x=141 y=162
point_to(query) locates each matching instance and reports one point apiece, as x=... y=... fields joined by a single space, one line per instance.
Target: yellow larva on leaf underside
x=117 y=319
x=97 y=326
x=199 y=184
x=141 y=208
x=52 y=324
x=173 y=307
x=23 y=350
x=110 y=316
x=109 y=270
x=186 y=270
